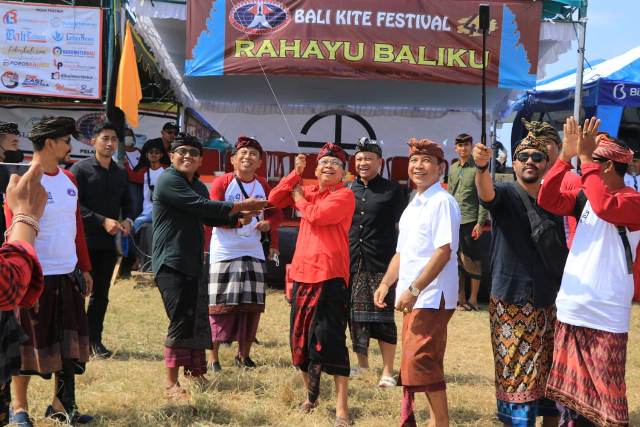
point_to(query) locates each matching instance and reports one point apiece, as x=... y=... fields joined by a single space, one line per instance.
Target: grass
x=127 y=390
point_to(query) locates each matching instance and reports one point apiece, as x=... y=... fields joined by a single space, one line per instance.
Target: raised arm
x=280 y=195
x=482 y=156
x=551 y=196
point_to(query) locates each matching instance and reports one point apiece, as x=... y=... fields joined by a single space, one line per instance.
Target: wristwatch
x=482 y=168
x=414 y=291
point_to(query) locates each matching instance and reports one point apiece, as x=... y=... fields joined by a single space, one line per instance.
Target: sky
x=612 y=29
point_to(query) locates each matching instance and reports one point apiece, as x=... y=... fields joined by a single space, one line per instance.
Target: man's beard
x=530 y=179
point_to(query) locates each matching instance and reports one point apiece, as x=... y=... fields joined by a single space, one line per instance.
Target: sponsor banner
x=365 y=39
x=86 y=119
x=50 y=50
x=619 y=93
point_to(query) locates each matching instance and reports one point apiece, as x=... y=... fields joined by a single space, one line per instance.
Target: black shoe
x=246 y=363
x=215 y=367
x=99 y=351
x=73 y=419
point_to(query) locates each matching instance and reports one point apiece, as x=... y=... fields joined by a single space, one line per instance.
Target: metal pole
x=483 y=136
x=582 y=30
x=494 y=139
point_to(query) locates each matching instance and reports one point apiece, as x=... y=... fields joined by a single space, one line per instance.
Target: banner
x=86 y=117
x=430 y=40
x=625 y=94
x=51 y=50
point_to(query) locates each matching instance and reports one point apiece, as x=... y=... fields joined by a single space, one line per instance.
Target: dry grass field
x=127 y=390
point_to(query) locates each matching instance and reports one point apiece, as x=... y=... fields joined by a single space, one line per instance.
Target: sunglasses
x=536 y=156
x=193 y=152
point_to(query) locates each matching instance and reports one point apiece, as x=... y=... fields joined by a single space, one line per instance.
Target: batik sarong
x=588 y=374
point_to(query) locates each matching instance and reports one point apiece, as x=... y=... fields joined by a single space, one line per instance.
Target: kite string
x=273 y=92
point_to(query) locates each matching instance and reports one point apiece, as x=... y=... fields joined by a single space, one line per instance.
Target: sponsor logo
x=71 y=192
x=11 y=17
x=80 y=38
x=57 y=64
x=471 y=26
x=73 y=24
x=24 y=36
x=33 y=81
x=620 y=91
x=79 y=53
x=74 y=90
x=55 y=22
x=23 y=51
x=24 y=64
x=57 y=75
x=10 y=79
x=57 y=36
x=259 y=17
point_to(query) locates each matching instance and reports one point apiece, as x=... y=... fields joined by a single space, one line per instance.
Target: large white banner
x=150 y=125
x=51 y=50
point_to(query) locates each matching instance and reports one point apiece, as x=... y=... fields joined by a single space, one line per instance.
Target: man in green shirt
x=462 y=186
x=181 y=208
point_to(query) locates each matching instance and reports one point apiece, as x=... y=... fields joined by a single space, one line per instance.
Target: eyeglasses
x=182 y=152
x=536 y=156
x=599 y=160
x=329 y=162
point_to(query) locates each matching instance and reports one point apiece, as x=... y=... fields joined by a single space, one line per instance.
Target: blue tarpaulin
x=609 y=87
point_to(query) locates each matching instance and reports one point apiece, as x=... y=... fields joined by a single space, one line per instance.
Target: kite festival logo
x=11 y=17
x=259 y=17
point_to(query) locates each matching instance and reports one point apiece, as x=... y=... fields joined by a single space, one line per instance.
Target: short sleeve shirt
x=373 y=236
x=517 y=272
x=430 y=221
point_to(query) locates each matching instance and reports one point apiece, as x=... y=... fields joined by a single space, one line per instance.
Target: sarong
x=588 y=374
x=366 y=320
x=11 y=336
x=193 y=361
x=318 y=326
x=185 y=302
x=424 y=340
x=241 y=327
x=469 y=259
x=237 y=285
x=58 y=330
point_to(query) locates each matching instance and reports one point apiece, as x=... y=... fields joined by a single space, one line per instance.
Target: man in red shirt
x=320 y=271
x=21 y=280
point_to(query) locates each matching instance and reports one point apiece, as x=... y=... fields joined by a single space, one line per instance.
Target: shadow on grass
x=137 y=355
x=634 y=418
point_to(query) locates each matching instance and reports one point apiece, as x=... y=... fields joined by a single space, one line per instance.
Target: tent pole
x=582 y=30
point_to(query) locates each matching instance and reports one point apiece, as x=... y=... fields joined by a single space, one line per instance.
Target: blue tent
x=609 y=87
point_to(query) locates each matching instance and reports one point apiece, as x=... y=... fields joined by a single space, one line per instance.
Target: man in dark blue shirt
x=523 y=290
x=372 y=243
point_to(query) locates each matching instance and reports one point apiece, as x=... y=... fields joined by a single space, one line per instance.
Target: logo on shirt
x=71 y=192
x=49 y=197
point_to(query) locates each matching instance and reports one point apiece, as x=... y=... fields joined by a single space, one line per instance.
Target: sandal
x=342 y=422
x=464 y=307
x=386 y=382
x=176 y=394
x=473 y=307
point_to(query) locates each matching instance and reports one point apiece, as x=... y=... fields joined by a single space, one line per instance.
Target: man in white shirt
x=594 y=303
x=426 y=269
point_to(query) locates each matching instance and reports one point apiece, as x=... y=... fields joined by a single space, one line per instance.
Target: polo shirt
x=462 y=186
x=322 y=248
x=373 y=236
x=430 y=221
x=517 y=271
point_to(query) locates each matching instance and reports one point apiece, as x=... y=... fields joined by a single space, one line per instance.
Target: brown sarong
x=58 y=330
x=424 y=340
x=587 y=374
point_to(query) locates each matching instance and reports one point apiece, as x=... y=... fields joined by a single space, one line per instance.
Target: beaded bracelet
x=25 y=219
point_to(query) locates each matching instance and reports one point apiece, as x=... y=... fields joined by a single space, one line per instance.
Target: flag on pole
x=128 y=91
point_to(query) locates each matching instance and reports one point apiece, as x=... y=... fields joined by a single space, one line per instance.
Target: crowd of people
x=365 y=250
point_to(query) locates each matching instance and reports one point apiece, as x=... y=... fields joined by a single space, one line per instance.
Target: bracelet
x=481 y=169
x=25 y=219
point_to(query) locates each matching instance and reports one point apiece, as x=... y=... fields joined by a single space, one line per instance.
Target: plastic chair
x=210 y=162
x=397 y=169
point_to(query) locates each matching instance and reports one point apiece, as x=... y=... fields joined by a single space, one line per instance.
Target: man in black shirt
x=104 y=199
x=372 y=243
x=523 y=290
x=181 y=207
x=168 y=135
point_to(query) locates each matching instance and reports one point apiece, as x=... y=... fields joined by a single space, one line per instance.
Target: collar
x=95 y=162
x=174 y=171
x=468 y=164
x=330 y=189
x=421 y=199
x=374 y=181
